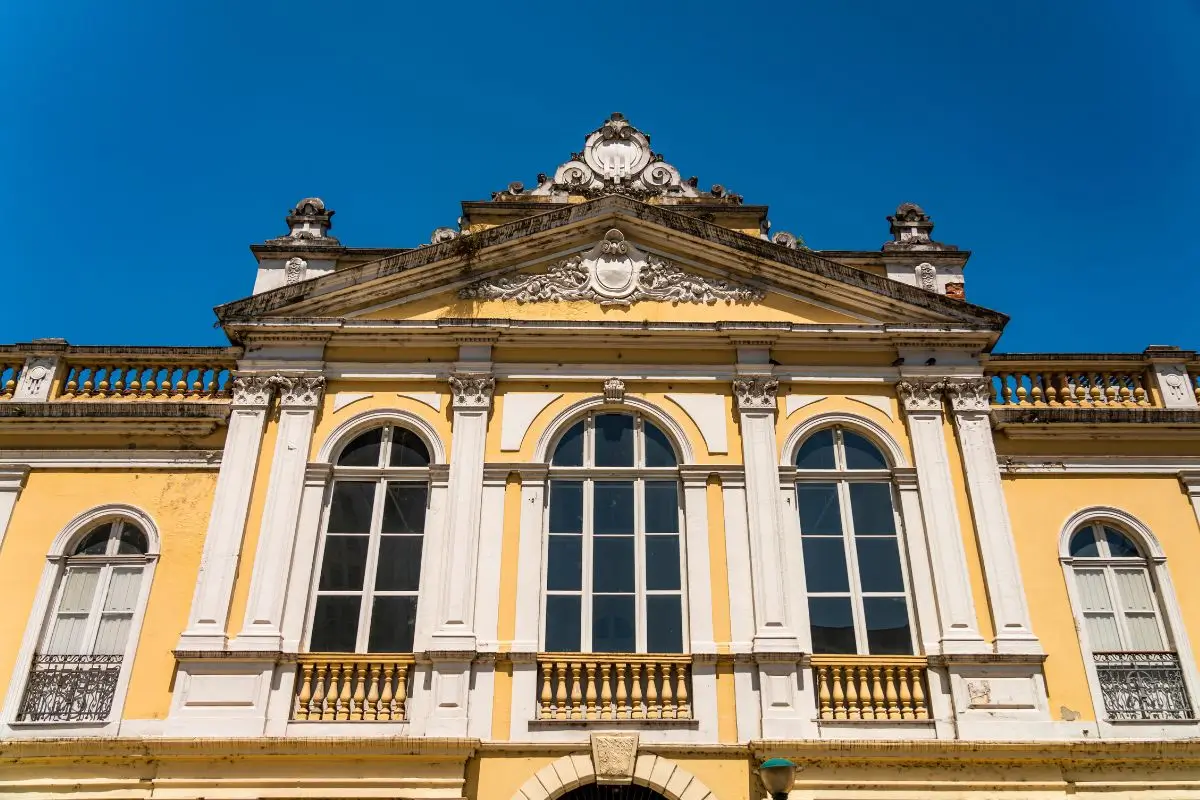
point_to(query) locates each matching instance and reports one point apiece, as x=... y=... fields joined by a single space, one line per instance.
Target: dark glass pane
x=566 y=506
x=613 y=511
x=1083 y=544
x=344 y=563
x=133 y=541
x=819 y=509
x=564 y=570
x=614 y=440
x=662 y=507
x=399 y=568
x=350 y=508
x=569 y=452
x=1119 y=545
x=664 y=624
x=832 y=625
x=871 y=508
x=612 y=564
x=392 y=622
x=96 y=542
x=363 y=451
x=861 y=453
x=404 y=508
x=335 y=625
x=662 y=562
x=659 y=452
x=408 y=449
x=879 y=564
x=562 y=623
x=887 y=626
x=825 y=564
x=613 y=628
x=817 y=451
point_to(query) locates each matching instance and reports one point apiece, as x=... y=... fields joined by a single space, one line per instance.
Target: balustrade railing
x=336 y=687
x=10 y=373
x=1142 y=686
x=599 y=686
x=871 y=687
x=1069 y=386
x=95 y=379
x=70 y=688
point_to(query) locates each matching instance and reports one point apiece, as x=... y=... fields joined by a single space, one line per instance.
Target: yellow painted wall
x=1039 y=506
x=179 y=504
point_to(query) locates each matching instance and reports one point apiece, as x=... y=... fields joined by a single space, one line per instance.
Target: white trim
x=871 y=429
x=530 y=555
x=881 y=404
x=1122 y=519
x=794 y=402
x=113 y=459
x=1107 y=464
x=12 y=481
x=48 y=586
x=522 y=371
x=491 y=546
x=431 y=399
x=708 y=412
x=560 y=424
x=343 y=433
x=343 y=399
x=519 y=409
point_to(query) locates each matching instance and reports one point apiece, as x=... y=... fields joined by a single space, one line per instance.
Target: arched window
x=370 y=567
x=86 y=639
x=1136 y=663
x=854 y=564
x=614 y=565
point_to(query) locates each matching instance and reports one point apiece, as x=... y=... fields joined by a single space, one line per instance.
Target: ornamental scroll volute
x=613 y=757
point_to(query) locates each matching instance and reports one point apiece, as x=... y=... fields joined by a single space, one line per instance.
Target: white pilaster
x=922 y=401
x=756 y=405
x=969 y=400
x=262 y=627
x=317 y=478
x=916 y=543
x=699 y=569
x=1190 y=480
x=12 y=481
x=209 y=614
x=491 y=546
x=737 y=560
x=527 y=633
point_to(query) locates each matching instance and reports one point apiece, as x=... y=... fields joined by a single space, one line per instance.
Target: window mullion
x=87 y=644
x=856 y=591
x=640 y=621
x=585 y=583
x=368 y=588
x=1118 y=606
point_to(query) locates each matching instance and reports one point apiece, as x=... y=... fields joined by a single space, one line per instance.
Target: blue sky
x=144 y=145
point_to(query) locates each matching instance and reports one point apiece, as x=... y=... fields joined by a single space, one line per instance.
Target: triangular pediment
x=613 y=258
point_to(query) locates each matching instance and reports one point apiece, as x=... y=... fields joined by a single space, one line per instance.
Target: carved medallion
x=613 y=757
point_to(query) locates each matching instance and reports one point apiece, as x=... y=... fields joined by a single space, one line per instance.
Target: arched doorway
x=596 y=791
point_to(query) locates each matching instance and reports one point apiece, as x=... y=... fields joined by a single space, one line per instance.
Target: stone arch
x=655 y=772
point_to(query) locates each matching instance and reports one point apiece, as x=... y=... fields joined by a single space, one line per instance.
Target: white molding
x=12 y=481
x=794 y=402
x=737 y=559
x=867 y=427
x=112 y=459
x=431 y=399
x=343 y=399
x=317 y=480
x=1099 y=465
x=1121 y=518
x=916 y=544
x=698 y=578
x=491 y=546
x=527 y=634
x=65 y=538
x=708 y=412
x=519 y=409
x=342 y=434
x=559 y=424
x=882 y=404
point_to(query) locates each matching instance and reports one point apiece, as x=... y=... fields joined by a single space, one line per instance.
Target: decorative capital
x=613 y=757
x=756 y=393
x=968 y=394
x=614 y=390
x=252 y=390
x=472 y=390
x=921 y=394
x=302 y=391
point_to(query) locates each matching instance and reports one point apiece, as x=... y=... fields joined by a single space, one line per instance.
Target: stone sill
x=583 y=724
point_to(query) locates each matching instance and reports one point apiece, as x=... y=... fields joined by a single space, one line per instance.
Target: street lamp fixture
x=778 y=775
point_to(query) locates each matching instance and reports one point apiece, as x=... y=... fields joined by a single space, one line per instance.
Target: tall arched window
x=370 y=568
x=86 y=638
x=614 y=565
x=854 y=564
x=1136 y=663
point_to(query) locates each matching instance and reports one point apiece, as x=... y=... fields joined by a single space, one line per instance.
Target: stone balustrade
x=96 y=379
x=1096 y=384
x=336 y=687
x=871 y=687
x=604 y=686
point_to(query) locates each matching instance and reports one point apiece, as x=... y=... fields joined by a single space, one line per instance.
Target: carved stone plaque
x=613 y=756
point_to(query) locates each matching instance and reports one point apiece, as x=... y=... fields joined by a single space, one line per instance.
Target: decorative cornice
x=472 y=390
x=299 y=391
x=755 y=393
x=968 y=394
x=921 y=394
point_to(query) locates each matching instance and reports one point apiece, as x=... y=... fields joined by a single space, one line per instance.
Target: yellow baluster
x=878 y=704
x=918 y=693
x=864 y=693
x=385 y=695
x=681 y=692
x=890 y=683
x=906 y=709
x=635 y=675
x=560 y=697
x=852 y=710
x=823 y=694
x=576 y=691
x=371 y=709
x=622 y=694
x=590 y=694
x=668 y=696
x=606 y=710
x=305 y=694
x=653 y=709
x=547 y=696
x=401 y=692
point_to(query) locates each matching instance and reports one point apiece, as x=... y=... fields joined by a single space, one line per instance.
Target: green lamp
x=778 y=775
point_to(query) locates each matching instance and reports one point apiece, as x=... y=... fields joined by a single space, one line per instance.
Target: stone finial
x=308 y=223
x=912 y=229
x=788 y=240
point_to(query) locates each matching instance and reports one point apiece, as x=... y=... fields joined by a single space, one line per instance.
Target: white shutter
x=1139 y=607
x=118 y=610
x=75 y=602
x=1097 y=608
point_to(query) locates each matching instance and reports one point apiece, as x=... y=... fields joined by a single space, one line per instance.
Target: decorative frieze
x=756 y=393
x=472 y=390
x=921 y=394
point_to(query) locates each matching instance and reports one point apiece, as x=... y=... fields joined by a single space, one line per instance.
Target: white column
x=226 y=525
x=262 y=627
x=699 y=569
x=970 y=399
x=756 y=407
x=922 y=401
x=12 y=481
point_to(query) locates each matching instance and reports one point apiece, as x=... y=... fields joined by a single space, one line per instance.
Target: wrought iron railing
x=70 y=688
x=1142 y=686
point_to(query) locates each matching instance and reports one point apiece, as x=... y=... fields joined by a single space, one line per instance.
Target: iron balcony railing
x=1142 y=686
x=70 y=688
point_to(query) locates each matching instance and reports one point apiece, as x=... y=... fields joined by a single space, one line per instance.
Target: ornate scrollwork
x=294 y=270
x=299 y=390
x=70 y=688
x=921 y=394
x=756 y=393
x=969 y=394
x=472 y=390
x=1142 y=686
x=252 y=390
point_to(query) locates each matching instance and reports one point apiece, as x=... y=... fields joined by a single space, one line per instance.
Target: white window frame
x=1170 y=619
x=842 y=476
x=44 y=609
x=588 y=474
x=380 y=477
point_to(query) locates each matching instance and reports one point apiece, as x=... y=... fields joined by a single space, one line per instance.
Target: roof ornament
x=912 y=229
x=308 y=223
x=616 y=159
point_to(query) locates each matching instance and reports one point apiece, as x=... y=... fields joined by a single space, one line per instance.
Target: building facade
x=608 y=491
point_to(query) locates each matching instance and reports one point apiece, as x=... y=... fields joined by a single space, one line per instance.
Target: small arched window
x=614 y=565
x=370 y=568
x=854 y=563
x=1136 y=664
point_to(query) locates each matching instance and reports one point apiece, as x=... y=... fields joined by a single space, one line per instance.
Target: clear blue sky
x=144 y=145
